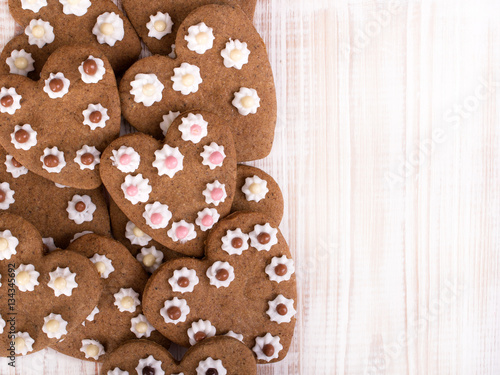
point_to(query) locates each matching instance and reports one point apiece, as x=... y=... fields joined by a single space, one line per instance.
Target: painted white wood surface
x=387 y=150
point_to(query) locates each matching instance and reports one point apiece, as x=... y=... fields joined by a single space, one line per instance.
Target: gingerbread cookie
x=214 y=356
x=157 y=22
x=147 y=251
x=222 y=67
x=58 y=126
x=257 y=191
x=175 y=190
x=117 y=317
x=51 y=24
x=42 y=298
x=245 y=288
x=55 y=210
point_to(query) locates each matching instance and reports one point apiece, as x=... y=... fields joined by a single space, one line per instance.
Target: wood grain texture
x=387 y=151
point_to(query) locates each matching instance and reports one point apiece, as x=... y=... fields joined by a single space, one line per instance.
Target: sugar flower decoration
x=146 y=89
x=23 y=137
x=184 y=280
x=157 y=215
x=95 y=116
x=135 y=235
x=280 y=269
x=237 y=336
x=168 y=161
x=8 y=196
x=75 y=7
x=103 y=264
x=14 y=168
x=267 y=347
x=23 y=343
x=263 y=237
x=221 y=274
x=2 y=323
x=213 y=155
x=255 y=189
x=152 y=364
x=87 y=157
x=136 y=188
x=53 y=160
x=175 y=311
x=281 y=310
x=235 y=54
x=246 y=101
x=8 y=243
x=200 y=330
x=81 y=209
x=10 y=100
x=56 y=86
x=141 y=327
x=92 y=314
x=235 y=242
x=126 y=159
x=187 y=79
x=109 y=29
x=49 y=243
x=193 y=128
x=20 y=62
x=215 y=193
x=92 y=349
x=33 y=5
x=150 y=258
x=200 y=38
x=127 y=299
x=117 y=371
x=159 y=25
x=26 y=278
x=54 y=326
x=182 y=232
x=211 y=364
x=167 y=121
x=92 y=70
x=62 y=281
x=39 y=33
x=207 y=219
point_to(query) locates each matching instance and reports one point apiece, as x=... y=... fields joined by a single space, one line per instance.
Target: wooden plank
x=387 y=150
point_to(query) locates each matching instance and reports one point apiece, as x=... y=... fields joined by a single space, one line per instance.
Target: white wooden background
x=388 y=153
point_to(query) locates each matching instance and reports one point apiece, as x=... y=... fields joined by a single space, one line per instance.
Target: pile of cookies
x=114 y=248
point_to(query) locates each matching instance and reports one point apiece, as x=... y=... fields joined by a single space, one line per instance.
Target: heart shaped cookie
x=50 y=207
x=157 y=22
x=221 y=67
x=58 y=126
x=245 y=287
x=257 y=191
x=147 y=251
x=174 y=190
x=117 y=317
x=42 y=298
x=51 y=24
x=214 y=356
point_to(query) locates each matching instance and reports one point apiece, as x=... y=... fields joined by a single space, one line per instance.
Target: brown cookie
x=158 y=30
x=117 y=316
x=245 y=287
x=46 y=205
x=147 y=251
x=156 y=88
x=257 y=191
x=214 y=356
x=48 y=25
x=61 y=138
x=42 y=298
x=175 y=190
